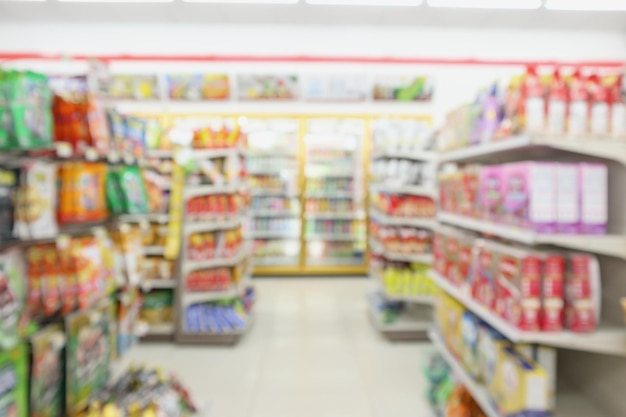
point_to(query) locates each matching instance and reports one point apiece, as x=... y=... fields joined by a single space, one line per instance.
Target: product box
x=530 y=195
x=593 y=198
x=469 y=352
x=520 y=386
x=568 y=198
x=14 y=382
x=492 y=192
x=35 y=215
x=483 y=283
x=583 y=293
x=546 y=357
x=518 y=287
x=490 y=342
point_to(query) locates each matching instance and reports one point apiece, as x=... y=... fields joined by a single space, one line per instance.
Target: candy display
x=214 y=245
x=548 y=197
x=214 y=206
x=267 y=87
x=139 y=87
x=532 y=290
x=402 y=239
x=262 y=184
x=401 y=205
x=26 y=111
x=198 y=87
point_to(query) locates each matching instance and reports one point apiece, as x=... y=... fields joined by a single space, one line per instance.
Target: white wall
x=454 y=84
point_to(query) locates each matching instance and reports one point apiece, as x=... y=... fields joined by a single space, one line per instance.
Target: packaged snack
x=133 y=189
x=490 y=342
x=618 y=106
x=12 y=297
x=492 y=188
x=82 y=192
x=600 y=116
x=8 y=187
x=582 y=294
x=483 y=283
x=491 y=115
x=35 y=202
x=568 y=198
x=530 y=195
x=469 y=330
x=127 y=315
x=14 y=381
x=593 y=198
x=51 y=279
x=46 y=395
x=546 y=358
x=520 y=386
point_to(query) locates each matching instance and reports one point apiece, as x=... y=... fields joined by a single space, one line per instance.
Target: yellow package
x=520 y=385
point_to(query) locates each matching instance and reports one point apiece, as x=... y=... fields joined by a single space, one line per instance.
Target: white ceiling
x=423 y=16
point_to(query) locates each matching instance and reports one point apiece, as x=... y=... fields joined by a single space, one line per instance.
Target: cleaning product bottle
x=579 y=105
x=557 y=104
x=534 y=102
x=599 y=106
x=618 y=108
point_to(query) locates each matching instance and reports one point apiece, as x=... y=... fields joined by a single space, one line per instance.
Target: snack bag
x=8 y=187
x=50 y=279
x=35 y=202
x=30 y=109
x=46 y=396
x=133 y=190
x=70 y=284
x=12 y=297
x=14 y=377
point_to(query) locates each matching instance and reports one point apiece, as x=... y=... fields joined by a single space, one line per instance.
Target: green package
x=115 y=198
x=134 y=192
x=88 y=355
x=12 y=297
x=46 y=396
x=13 y=382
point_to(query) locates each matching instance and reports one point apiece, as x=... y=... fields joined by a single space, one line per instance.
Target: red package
x=451 y=267
x=439 y=243
x=211 y=204
x=582 y=294
x=552 y=293
x=484 y=288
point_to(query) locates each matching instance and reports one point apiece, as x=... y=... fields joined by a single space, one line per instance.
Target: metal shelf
x=413 y=154
x=274 y=235
x=216 y=263
x=406 y=189
x=333 y=236
x=610 y=245
x=211 y=225
x=274 y=213
x=423 y=222
x=514 y=147
x=336 y=215
x=158 y=284
x=202 y=190
x=606 y=340
x=154 y=250
x=377 y=247
x=189 y=298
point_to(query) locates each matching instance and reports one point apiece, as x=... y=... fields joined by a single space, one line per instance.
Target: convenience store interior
x=255 y=208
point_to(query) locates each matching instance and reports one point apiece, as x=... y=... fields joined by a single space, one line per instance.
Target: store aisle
x=311 y=353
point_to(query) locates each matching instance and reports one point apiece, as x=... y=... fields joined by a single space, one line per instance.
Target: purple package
x=530 y=195
x=568 y=198
x=192 y=323
x=593 y=198
x=491 y=192
x=491 y=115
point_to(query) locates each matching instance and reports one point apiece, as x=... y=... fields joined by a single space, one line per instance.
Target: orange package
x=68 y=281
x=89 y=271
x=34 y=273
x=51 y=279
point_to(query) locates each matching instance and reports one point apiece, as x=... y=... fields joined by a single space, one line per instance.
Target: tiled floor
x=311 y=353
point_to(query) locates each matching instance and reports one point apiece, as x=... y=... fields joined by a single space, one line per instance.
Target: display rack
x=225 y=250
x=396 y=268
x=608 y=342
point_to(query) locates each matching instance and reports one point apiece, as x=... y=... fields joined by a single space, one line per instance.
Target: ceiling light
x=365 y=2
x=487 y=4
x=588 y=5
x=244 y=1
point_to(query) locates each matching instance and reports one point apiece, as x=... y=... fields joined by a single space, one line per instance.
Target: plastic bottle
x=599 y=106
x=557 y=104
x=579 y=105
x=534 y=101
x=618 y=108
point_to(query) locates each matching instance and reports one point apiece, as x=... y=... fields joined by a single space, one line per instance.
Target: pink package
x=482 y=285
x=530 y=195
x=593 y=198
x=518 y=287
x=568 y=198
x=491 y=191
x=582 y=294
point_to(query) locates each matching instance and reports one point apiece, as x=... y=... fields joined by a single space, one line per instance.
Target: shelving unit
x=598 y=349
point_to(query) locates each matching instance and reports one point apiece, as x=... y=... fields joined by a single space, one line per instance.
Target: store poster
x=350 y=87
x=194 y=87
x=403 y=88
x=267 y=87
x=47 y=372
x=88 y=355
x=14 y=382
